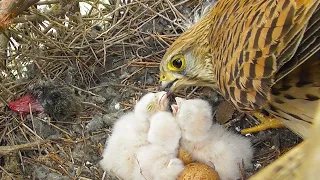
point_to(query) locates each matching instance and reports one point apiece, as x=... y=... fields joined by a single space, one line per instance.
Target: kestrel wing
x=251 y=41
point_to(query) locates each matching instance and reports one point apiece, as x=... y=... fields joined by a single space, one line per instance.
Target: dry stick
x=160 y=15
x=119 y=67
x=164 y=10
x=30 y=130
x=48 y=2
x=135 y=72
x=114 y=25
x=50 y=124
x=32 y=122
x=12 y=8
x=134 y=62
x=22 y=163
x=104 y=54
x=178 y=13
x=6 y=172
x=89 y=92
x=116 y=14
x=115 y=40
x=94 y=54
x=95 y=106
x=85 y=149
x=5 y=150
x=59 y=161
x=149 y=19
x=194 y=90
x=32 y=161
x=5 y=89
x=104 y=175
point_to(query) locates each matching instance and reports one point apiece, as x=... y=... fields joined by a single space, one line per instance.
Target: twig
x=12 y=8
x=6 y=172
x=116 y=14
x=5 y=150
x=95 y=106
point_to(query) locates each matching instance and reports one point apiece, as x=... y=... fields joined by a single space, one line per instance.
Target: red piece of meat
x=22 y=104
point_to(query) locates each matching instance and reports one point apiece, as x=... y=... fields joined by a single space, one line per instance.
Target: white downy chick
x=129 y=133
x=158 y=160
x=211 y=143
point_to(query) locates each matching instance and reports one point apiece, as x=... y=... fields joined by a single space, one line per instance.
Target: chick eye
x=150 y=107
x=177 y=63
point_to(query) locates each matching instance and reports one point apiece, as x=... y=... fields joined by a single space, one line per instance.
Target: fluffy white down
x=156 y=163
x=212 y=143
x=126 y=138
x=164 y=131
x=129 y=133
x=158 y=160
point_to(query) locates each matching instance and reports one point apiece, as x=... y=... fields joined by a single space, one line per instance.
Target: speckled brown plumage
x=259 y=54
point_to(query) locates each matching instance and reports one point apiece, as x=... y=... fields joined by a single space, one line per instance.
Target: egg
x=198 y=171
x=184 y=156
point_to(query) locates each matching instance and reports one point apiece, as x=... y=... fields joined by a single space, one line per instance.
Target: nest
x=110 y=56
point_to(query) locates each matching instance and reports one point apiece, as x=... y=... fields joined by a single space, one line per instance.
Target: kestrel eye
x=177 y=63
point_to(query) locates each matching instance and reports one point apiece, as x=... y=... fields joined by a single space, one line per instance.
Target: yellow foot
x=266 y=123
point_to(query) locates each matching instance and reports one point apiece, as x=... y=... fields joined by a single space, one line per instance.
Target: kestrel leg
x=266 y=123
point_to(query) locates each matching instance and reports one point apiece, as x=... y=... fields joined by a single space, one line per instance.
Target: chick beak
x=175 y=109
x=163 y=101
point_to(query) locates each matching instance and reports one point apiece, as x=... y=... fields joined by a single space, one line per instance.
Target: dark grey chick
x=57 y=100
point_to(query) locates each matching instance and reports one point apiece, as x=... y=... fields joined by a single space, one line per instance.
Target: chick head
x=194 y=117
x=164 y=130
x=151 y=103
